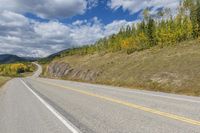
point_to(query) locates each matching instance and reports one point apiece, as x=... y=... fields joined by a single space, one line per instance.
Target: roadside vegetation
x=16 y=69
x=172 y=69
x=9 y=71
x=160 y=53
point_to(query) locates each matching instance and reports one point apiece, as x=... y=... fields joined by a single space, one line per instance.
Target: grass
x=3 y=80
x=173 y=69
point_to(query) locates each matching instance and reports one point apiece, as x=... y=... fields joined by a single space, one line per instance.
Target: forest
x=164 y=28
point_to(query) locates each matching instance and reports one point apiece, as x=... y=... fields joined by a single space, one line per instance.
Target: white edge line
x=53 y=111
x=167 y=97
x=121 y=89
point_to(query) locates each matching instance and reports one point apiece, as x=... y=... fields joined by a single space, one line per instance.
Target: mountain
x=51 y=57
x=7 y=58
x=31 y=59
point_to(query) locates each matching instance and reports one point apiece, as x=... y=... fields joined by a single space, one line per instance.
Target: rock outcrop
x=62 y=69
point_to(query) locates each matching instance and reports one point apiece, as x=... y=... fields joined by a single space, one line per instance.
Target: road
x=39 y=105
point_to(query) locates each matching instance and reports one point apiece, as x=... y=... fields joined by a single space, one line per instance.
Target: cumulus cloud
x=46 y=8
x=22 y=36
x=115 y=26
x=134 y=6
x=25 y=37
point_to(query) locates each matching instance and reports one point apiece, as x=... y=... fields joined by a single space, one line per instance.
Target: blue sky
x=42 y=27
x=101 y=10
x=105 y=14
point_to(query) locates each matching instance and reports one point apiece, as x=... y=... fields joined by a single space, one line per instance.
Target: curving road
x=38 y=105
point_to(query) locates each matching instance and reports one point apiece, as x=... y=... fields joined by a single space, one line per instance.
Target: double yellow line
x=131 y=105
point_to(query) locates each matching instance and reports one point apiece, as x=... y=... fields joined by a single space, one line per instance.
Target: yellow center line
x=131 y=105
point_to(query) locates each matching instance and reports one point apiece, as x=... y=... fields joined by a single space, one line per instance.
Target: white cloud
x=22 y=36
x=46 y=8
x=51 y=29
x=92 y=3
x=134 y=6
x=79 y=22
x=115 y=26
x=25 y=37
x=12 y=19
x=89 y=32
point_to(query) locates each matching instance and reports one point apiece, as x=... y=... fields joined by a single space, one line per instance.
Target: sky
x=38 y=28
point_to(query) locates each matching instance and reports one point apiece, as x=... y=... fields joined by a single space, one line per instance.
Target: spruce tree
x=198 y=17
x=151 y=32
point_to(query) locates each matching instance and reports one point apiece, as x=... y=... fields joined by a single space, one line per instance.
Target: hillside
x=174 y=69
x=159 y=53
x=6 y=58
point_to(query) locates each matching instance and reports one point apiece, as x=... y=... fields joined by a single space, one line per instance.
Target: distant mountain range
x=7 y=58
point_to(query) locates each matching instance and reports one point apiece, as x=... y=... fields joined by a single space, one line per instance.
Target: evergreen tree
x=198 y=16
x=151 y=28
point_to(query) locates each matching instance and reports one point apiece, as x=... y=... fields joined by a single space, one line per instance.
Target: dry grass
x=3 y=80
x=174 y=69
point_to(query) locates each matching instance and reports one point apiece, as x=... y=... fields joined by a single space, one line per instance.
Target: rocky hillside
x=62 y=69
x=174 y=69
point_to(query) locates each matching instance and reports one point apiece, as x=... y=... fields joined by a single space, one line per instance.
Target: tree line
x=16 y=69
x=166 y=27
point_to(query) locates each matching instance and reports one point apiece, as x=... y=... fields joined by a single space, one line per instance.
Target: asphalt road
x=38 y=105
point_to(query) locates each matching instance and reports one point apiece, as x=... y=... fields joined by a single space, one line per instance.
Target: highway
x=39 y=105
